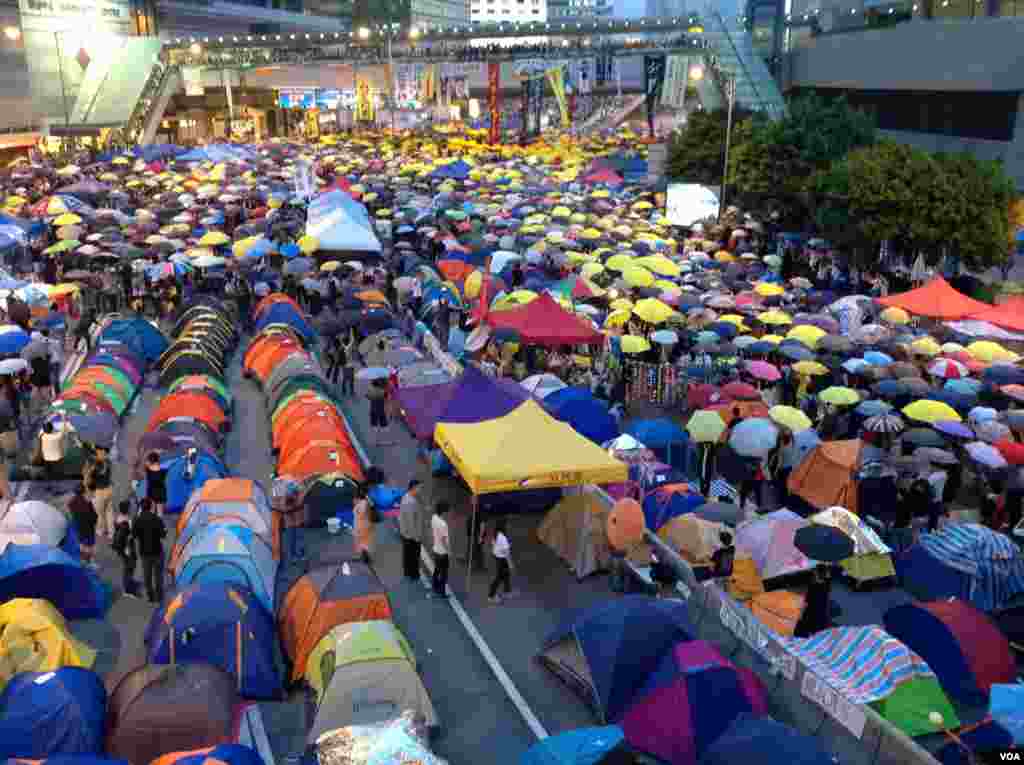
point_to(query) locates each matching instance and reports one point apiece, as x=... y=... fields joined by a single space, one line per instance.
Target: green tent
x=909 y=705
x=352 y=643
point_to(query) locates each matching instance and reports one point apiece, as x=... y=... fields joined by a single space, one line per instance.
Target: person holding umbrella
x=827 y=545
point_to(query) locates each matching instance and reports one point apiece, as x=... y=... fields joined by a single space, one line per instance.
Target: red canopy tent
x=1008 y=315
x=603 y=175
x=544 y=322
x=936 y=300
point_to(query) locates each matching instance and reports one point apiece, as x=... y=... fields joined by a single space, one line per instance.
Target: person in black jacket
x=149 y=533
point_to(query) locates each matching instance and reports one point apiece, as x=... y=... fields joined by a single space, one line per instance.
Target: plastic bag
x=397 y=742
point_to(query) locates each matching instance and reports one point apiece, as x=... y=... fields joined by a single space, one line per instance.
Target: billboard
x=688 y=203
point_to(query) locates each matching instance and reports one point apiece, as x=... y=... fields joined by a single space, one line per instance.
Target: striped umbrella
x=884 y=423
x=948 y=369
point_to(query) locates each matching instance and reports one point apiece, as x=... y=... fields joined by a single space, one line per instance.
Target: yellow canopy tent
x=525 y=449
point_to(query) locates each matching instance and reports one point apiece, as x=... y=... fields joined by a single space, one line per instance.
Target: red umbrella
x=1012 y=451
x=741 y=391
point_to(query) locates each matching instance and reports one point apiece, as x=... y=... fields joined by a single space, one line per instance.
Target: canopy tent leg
x=472 y=543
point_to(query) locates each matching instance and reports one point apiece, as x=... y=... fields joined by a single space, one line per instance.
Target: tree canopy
x=696 y=153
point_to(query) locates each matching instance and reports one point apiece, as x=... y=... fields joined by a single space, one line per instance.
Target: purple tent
x=473 y=397
x=689 y=701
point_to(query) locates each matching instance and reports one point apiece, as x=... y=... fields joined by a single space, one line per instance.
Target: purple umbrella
x=952 y=428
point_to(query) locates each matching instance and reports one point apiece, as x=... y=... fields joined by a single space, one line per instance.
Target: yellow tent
x=525 y=449
x=375 y=640
x=34 y=638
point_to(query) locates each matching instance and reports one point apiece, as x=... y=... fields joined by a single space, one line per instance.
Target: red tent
x=1008 y=315
x=544 y=322
x=936 y=300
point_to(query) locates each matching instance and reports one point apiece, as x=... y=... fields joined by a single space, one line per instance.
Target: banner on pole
x=494 y=101
x=364 y=100
x=557 y=81
x=654 y=79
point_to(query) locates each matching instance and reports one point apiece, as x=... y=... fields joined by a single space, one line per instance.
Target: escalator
x=731 y=56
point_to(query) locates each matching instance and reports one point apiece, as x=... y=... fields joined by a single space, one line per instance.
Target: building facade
x=494 y=11
x=575 y=9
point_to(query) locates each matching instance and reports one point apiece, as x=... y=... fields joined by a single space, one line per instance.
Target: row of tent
x=335 y=622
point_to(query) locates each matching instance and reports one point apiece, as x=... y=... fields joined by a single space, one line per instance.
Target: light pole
x=730 y=95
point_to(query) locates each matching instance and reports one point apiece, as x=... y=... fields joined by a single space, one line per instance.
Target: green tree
x=697 y=152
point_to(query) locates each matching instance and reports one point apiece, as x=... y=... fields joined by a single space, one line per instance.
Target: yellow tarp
x=525 y=449
x=34 y=638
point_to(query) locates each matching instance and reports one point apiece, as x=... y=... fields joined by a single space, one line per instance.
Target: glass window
x=1011 y=8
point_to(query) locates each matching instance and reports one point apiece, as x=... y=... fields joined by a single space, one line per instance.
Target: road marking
x=531 y=720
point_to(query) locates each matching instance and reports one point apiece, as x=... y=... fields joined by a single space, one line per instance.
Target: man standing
x=410 y=528
x=149 y=533
x=97 y=481
x=442 y=550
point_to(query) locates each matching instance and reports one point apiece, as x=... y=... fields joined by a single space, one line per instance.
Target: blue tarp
x=138 y=334
x=39 y=571
x=49 y=713
x=340 y=223
x=218 y=152
x=223 y=625
x=587 y=415
x=584 y=746
x=623 y=641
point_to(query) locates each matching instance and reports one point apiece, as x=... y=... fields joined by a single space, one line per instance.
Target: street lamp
x=12 y=33
x=414 y=33
x=364 y=33
x=730 y=95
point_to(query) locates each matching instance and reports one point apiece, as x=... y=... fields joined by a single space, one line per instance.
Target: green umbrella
x=706 y=426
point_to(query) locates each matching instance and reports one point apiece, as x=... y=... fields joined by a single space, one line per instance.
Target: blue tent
x=763 y=740
x=284 y=313
x=219 y=624
x=622 y=642
x=46 y=713
x=227 y=554
x=181 y=485
x=138 y=334
x=39 y=571
x=584 y=746
x=587 y=415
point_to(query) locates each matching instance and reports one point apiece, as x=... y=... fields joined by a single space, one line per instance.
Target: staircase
x=732 y=56
x=151 y=107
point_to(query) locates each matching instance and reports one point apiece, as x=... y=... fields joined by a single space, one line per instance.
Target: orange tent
x=271 y=299
x=267 y=342
x=318 y=458
x=936 y=300
x=324 y=598
x=828 y=475
x=1008 y=315
x=264 y=364
x=315 y=429
x=301 y=403
x=188 y=404
x=307 y=426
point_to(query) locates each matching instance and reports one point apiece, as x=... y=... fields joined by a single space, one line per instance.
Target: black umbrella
x=823 y=543
x=720 y=512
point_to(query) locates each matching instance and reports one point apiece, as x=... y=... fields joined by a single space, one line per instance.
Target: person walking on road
x=502 y=551
x=124 y=546
x=348 y=369
x=410 y=528
x=83 y=515
x=442 y=550
x=364 y=533
x=149 y=533
x=156 y=482
x=97 y=481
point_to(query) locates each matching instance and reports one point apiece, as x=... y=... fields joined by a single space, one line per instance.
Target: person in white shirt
x=53 y=443
x=442 y=550
x=502 y=551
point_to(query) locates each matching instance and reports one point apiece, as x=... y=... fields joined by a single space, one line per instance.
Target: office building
x=494 y=11
x=575 y=9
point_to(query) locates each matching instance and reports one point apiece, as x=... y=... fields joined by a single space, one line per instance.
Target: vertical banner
x=527 y=98
x=494 y=101
x=654 y=78
x=673 y=92
x=556 y=79
x=364 y=100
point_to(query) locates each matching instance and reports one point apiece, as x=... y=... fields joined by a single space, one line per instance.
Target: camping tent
x=222 y=754
x=49 y=713
x=220 y=624
x=767 y=741
x=606 y=652
x=871 y=556
x=868 y=666
x=768 y=540
x=353 y=643
x=35 y=638
x=32 y=523
x=544 y=322
x=967 y=561
x=368 y=692
x=183 y=482
x=157 y=709
x=321 y=600
x=937 y=300
x=334 y=221
x=962 y=646
x=137 y=333
x=226 y=554
x=828 y=475
x=575 y=530
x=39 y=571
x=525 y=449
x=228 y=500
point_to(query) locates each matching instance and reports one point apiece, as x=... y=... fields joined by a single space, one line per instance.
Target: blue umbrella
x=754 y=437
x=823 y=543
x=873 y=407
x=878 y=359
x=1003 y=374
x=12 y=342
x=855 y=366
x=290 y=250
x=299 y=266
x=966 y=385
x=952 y=428
x=724 y=330
x=761 y=347
x=795 y=351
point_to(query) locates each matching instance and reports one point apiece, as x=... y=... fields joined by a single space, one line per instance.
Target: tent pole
x=472 y=543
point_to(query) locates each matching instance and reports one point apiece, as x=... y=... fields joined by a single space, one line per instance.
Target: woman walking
x=364 y=533
x=502 y=552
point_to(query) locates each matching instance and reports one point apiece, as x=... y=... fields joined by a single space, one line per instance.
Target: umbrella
x=790 y=417
x=930 y=411
x=923 y=437
x=823 y=543
x=991 y=431
x=299 y=266
x=706 y=426
x=873 y=407
x=541 y=385
x=935 y=456
x=634 y=344
x=664 y=337
x=948 y=369
x=837 y=395
x=13 y=342
x=884 y=423
x=953 y=428
x=986 y=454
x=721 y=512
x=373 y=373
x=754 y=437
x=13 y=366
x=762 y=370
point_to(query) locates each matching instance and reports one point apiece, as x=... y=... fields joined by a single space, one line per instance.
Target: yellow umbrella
x=214 y=238
x=776 y=318
x=989 y=352
x=807 y=334
x=331 y=265
x=931 y=412
x=618 y=262
x=621 y=304
x=722 y=256
x=767 y=289
x=617 y=318
x=634 y=344
x=63 y=289
x=591 y=269
x=790 y=417
x=652 y=310
x=242 y=246
x=15 y=201
x=926 y=346
x=837 y=395
x=810 y=368
x=952 y=348
x=735 y=319
x=67 y=219
x=638 y=277
x=706 y=426
x=773 y=339
x=894 y=315
x=309 y=244
x=659 y=265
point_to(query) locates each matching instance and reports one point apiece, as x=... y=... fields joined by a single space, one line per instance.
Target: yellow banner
x=557 y=83
x=313 y=124
x=364 y=100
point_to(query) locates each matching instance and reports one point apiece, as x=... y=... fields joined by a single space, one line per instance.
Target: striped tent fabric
x=991 y=560
x=864 y=664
